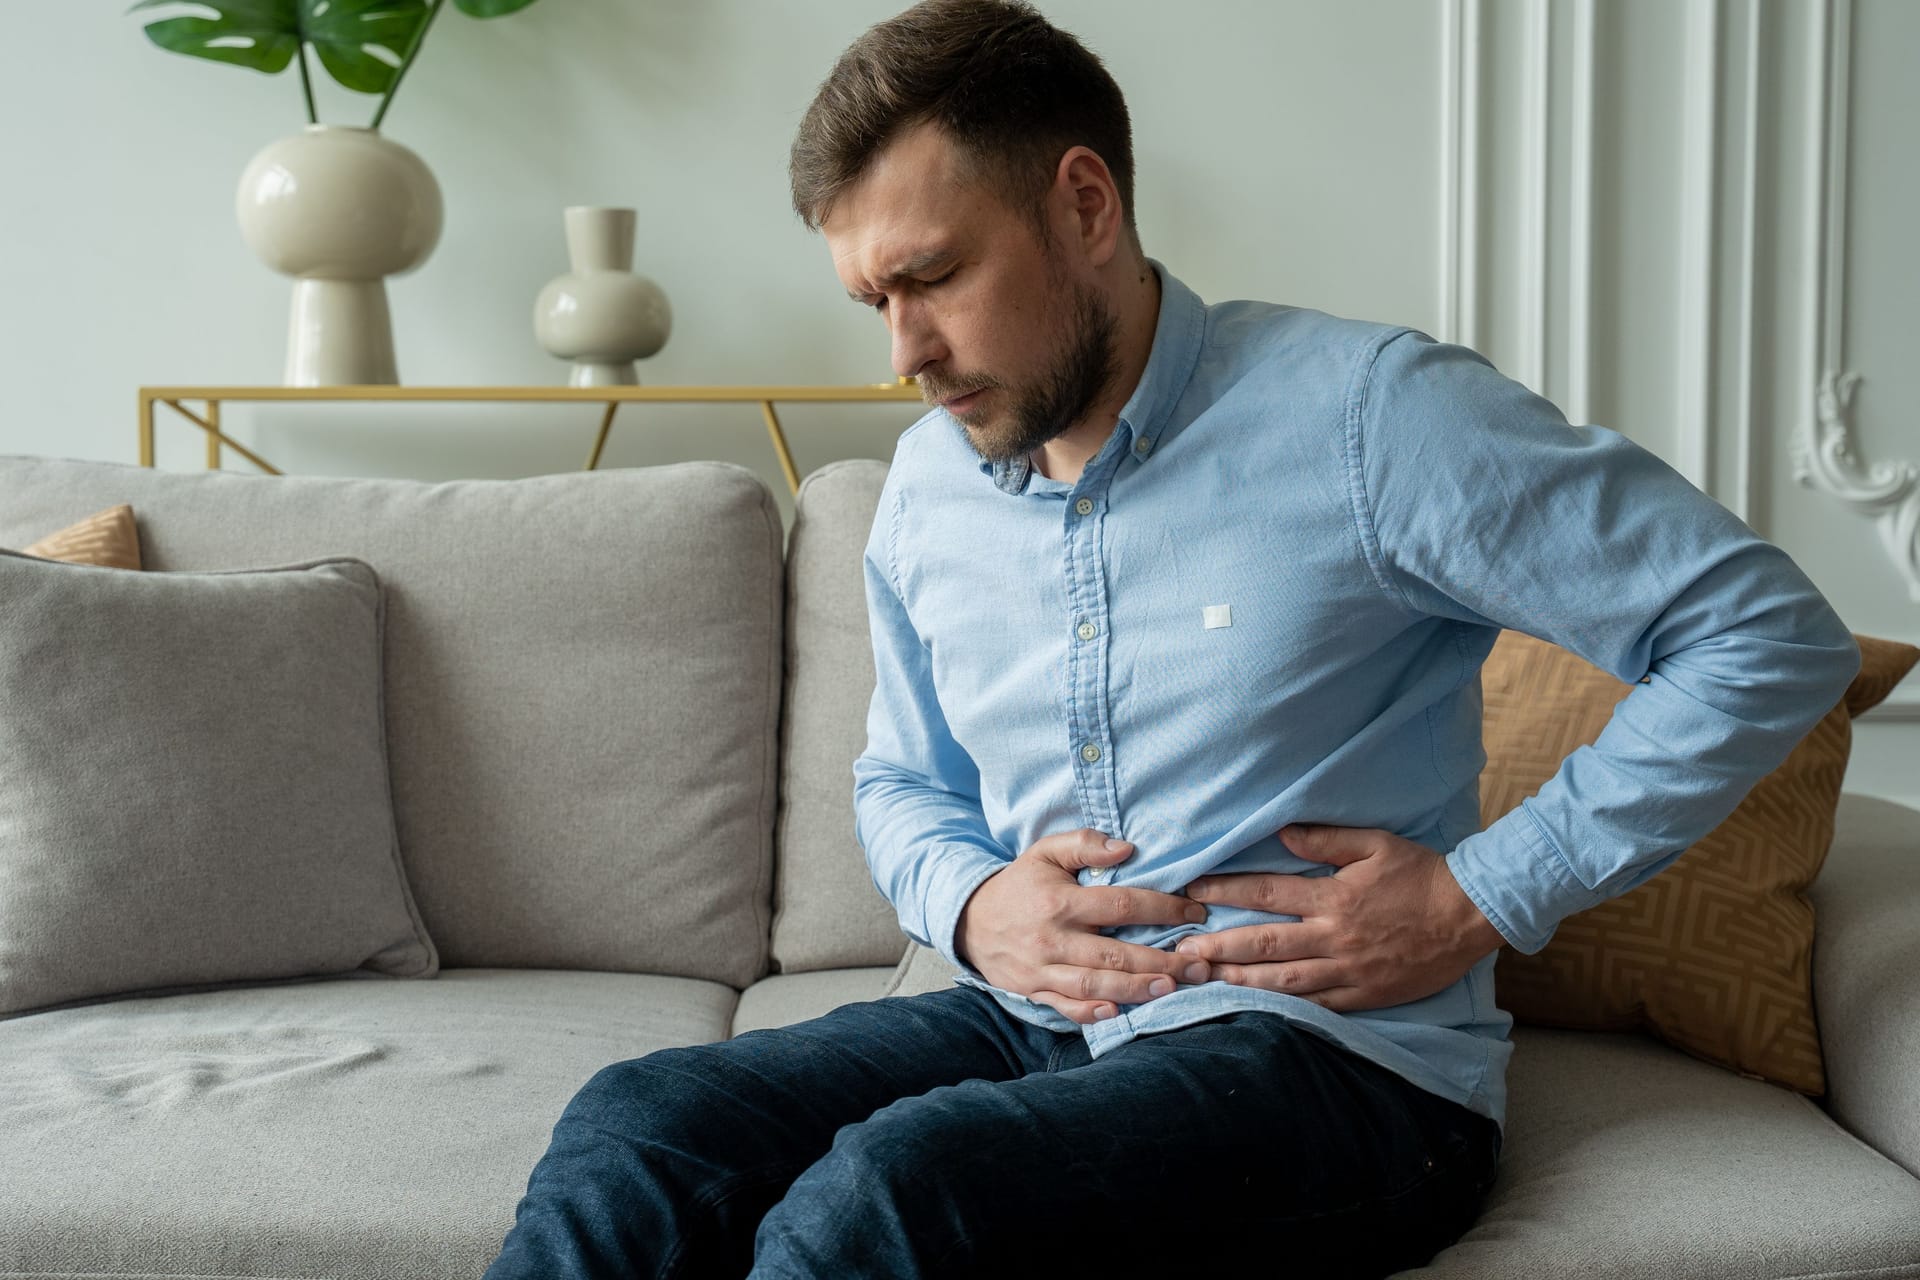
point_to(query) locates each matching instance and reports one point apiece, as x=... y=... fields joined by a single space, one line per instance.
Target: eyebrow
x=913 y=266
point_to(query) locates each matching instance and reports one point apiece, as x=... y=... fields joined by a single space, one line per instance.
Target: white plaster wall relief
x=1460 y=173
x=1536 y=136
x=1495 y=290
x=1744 y=502
x=1828 y=460
x=1579 y=399
x=1699 y=176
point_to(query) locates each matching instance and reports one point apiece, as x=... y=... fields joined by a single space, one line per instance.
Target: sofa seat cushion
x=794 y=997
x=346 y=1128
x=1625 y=1158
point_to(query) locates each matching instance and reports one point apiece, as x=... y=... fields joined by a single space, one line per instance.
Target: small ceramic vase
x=599 y=314
x=339 y=209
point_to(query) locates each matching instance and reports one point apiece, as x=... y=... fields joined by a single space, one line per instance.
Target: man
x=1177 y=613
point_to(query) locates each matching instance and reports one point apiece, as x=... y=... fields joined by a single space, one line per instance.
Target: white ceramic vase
x=599 y=314
x=339 y=209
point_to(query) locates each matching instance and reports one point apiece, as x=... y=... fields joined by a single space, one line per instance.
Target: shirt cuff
x=956 y=873
x=1519 y=880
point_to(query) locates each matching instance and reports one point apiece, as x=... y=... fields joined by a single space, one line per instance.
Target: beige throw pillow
x=193 y=782
x=1714 y=954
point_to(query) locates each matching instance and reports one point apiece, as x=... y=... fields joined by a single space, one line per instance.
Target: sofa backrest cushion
x=828 y=914
x=583 y=683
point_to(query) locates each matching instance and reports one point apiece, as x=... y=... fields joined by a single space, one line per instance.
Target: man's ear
x=1083 y=187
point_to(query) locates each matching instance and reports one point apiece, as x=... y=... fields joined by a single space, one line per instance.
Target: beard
x=1061 y=396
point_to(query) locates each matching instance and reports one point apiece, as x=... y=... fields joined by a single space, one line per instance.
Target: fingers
x=1259 y=944
x=1338 y=845
x=1321 y=981
x=1103 y=985
x=1280 y=895
x=1103 y=906
x=1094 y=994
x=1086 y=847
x=1131 y=967
x=1083 y=1012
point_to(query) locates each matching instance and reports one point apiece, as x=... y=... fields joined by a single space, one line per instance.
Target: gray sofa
x=620 y=717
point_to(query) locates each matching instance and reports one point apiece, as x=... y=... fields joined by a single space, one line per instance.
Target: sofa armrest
x=1866 y=974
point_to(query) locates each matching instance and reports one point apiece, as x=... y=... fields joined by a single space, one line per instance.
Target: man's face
x=997 y=327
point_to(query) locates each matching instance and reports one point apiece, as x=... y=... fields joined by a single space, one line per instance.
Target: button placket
x=1087 y=711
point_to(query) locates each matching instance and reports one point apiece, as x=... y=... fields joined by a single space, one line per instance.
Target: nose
x=916 y=339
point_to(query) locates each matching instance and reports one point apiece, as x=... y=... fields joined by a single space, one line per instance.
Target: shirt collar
x=1170 y=363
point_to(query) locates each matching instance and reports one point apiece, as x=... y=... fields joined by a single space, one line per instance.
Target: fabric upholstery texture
x=1626 y=1160
x=827 y=912
x=377 y=1130
x=783 y=998
x=921 y=970
x=1714 y=954
x=583 y=677
x=107 y=538
x=193 y=781
x=1866 y=975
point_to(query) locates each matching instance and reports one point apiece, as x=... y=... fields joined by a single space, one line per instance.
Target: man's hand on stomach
x=1033 y=929
x=1392 y=925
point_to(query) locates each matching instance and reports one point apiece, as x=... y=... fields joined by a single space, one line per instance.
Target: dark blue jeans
x=941 y=1136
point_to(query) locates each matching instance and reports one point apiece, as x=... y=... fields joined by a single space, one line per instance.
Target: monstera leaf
x=367 y=45
x=361 y=43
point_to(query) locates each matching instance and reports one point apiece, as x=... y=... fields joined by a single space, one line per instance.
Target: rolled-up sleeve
x=916 y=792
x=1478 y=502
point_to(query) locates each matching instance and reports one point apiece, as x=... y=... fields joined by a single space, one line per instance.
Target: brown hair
x=1010 y=89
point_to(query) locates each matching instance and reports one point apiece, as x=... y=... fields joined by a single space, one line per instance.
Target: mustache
x=936 y=387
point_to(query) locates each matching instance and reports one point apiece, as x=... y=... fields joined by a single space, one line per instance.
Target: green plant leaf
x=260 y=34
x=349 y=35
x=489 y=8
x=345 y=32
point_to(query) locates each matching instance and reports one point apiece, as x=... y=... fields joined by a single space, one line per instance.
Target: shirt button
x=1087 y=631
x=1100 y=873
x=1089 y=753
x=1084 y=506
x=1141 y=446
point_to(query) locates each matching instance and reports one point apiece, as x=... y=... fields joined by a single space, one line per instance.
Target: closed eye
x=879 y=301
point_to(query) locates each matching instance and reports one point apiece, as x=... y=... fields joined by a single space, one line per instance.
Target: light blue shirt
x=1266 y=600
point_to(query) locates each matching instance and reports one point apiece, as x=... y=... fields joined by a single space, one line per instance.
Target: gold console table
x=211 y=398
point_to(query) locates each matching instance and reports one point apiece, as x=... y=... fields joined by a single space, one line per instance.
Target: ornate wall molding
x=1699 y=211
x=1460 y=173
x=1580 y=113
x=1744 y=499
x=1828 y=459
x=1536 y=189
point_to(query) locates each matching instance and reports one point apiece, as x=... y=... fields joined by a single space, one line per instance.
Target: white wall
x=1563 y=183
x=121 y=243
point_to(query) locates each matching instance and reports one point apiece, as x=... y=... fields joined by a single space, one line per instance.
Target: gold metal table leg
x=146 y=430
x=600 y=441
x=213 y=435
x=228 y=440
x=780 y=445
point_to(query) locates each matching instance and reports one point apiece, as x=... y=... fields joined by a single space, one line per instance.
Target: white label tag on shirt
x=1217 y=615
